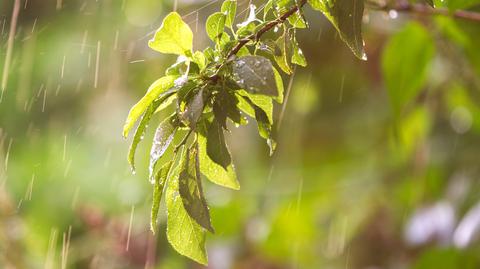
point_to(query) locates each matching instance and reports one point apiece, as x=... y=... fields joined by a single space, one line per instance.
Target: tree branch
x=266 y=28
x=426 y=10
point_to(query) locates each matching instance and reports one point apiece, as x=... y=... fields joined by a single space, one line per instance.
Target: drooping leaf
x=405 y=64
x=265 y=129
x=159 y=182
x=199 y=59
x=255 y=75
x=229 y=8
x=191 y=192
x=282 y=58
x=214 y=172
x=162 y=140
x=215 y=26
x=225 y=106
x=280 y=88
x=161 y=86
x=216 y=147
x=174 y=36
x=298 y=58
x=193 y=110
x=139 y=133
x=185 y=235
x=264 y=102
x=346 y=16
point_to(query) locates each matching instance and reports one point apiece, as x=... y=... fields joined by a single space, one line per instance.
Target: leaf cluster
x=214 y=89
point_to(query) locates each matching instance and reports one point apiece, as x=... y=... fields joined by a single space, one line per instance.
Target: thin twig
x=266 y=28
x=406 y=7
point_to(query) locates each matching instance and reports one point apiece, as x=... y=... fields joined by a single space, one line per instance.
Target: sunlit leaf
x=191 y=192
x=255 y=75
x=185 y=235
x=174 y=36
x=215 y=26
x=216 y=147
x=214 y=172
x=139 y=133
x=159 y=182
x=346 y=16
x=162 y=140
x=161 y=86
x=229 y=8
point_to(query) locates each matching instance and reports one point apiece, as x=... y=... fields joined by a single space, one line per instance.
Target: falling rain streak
x=11 y=38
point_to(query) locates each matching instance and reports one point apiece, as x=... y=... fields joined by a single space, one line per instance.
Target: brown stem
x=426 y=10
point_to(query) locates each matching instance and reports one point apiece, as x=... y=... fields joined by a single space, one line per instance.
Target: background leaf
x=405 y=63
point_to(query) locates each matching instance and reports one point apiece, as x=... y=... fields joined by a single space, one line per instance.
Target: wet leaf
x=191 y=191
x=282 y=58
x=159 y=87
x=264 y=125
x=264 y=102
x=162 y=140
x=298 y=58
x=214 y=172
x=194 y=110
x=255 y=75
x=229 y=8
x=185 y=235
x=346 y=16
x=215 y=26
x=139 y=133
x=159 y=182
x=174 y=36
x=216 y=147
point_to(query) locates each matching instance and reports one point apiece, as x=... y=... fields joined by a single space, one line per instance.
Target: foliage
x=212 y=89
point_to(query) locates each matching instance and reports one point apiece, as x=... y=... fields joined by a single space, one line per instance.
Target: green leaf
x=174 y=36
x=229 y=8
x=255 y=75
x=193 y=110
x=185 y=235
x=216 y=147
x=190 y=187
x=215 y=26
x=162 y=140
x=346 y=16
x=200 y=59
x=264 y=102
x=264 y=124
x=154 y=91
x=298 y=58
x=225 y=105
x=160 y=179
x=280 y=88
x=214 y=172
x=139 y=133
x=283 y=56
x=405 y=63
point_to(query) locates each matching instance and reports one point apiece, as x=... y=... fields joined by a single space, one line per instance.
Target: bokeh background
x=344 y=190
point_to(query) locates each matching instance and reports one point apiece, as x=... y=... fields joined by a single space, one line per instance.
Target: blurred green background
x=349 y=187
